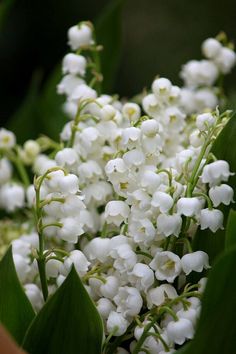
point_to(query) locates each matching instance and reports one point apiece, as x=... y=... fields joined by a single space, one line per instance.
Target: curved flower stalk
x=121 y=196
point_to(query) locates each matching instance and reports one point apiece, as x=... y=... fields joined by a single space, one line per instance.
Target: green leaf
x=216 y=330
x=68 y=323
x=230 y=237
x=16 y=312
x=109 y=35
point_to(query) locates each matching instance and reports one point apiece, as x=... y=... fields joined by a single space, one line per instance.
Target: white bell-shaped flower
x=141 y=277
x=195 y=261
x=74 y=64
x=157 y=296
x=72 y=227
x=129 y=301
x=5 y=170
x=80 y=262
x=98 y=249
x=216 y=172
x=110 y=288
x=163 y=201
x=12 y=197
x=221 y=194
x=212 y=219
x=7 y=139
x=204 y=121
x=104 y=307
x=131 y=111
x=167 y=266
x=34 y=295
x=211 y=48
x=79 y=36
x=116 y=212
x=169 y=224
x=116 y=324
x=189 y=206
x=180 y=330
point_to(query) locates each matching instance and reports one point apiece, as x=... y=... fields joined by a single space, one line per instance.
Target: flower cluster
x=122 y=196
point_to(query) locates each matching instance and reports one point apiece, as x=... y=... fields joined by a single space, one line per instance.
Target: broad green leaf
x=68 y=323
x=16 y=312
x=230 y=237
x=109 y=35
x=216 y=330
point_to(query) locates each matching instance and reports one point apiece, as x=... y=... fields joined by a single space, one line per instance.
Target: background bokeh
x=141 y=39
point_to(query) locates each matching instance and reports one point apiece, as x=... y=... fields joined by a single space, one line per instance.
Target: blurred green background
x=141 y=39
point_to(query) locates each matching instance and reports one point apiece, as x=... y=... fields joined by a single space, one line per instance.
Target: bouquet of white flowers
x=105 y=225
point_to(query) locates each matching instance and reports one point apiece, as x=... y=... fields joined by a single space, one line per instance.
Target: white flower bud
x=52 y=267
x=196 y=139
x=32 y=148
x=163 y=201
x=195 y=261
x=212 y=219
x=83 y=92
x=116 y=212
x=74 y=64
x=211 y=48
x=108 y=112
x=204 y=121
x=221 y=194
x=189 y=206
x=150 y=127
x=167 y=266
x=116 y=324
x=216 y=172
x=7 y=139
x=169 y=224
x=69 y=184
x=141 y=276
x=79 y=36
x=180 y=330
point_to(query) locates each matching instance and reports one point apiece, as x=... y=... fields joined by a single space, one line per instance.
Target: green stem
x=144 y=335
x=21 y=170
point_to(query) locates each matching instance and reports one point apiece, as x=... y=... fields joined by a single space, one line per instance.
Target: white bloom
x=32 y=148
x=167 y=266
x=150 y=181
x=98 y=249
x=196 y=139
x=124 y=258
x=21 y=247
x=157 y=296
x=71 y=228
x=116 y=324
x=212 y=219
x=131 y=111
x=110 y=288
x=69 y=184
x=180 y=330
x=161 y=87
x=83 y=92
x=34 y=295
x=79 y=36
x=142 y=276
x=169 y=224
x=134 y=158
x=67 y=85
x=108 y=112
x=116 y=170
x=7 y=139
x=78 y=259
x=211 y=48
x=190 y=314
x=89 y=170
x=216 y=172
x=163 y=201
x=195 y=261
x=12 y=197
x=199 y=73
x=116 y=212
x=226 y=60
x=22 y=267
x=204 y=121
x=5 y=171
x=150 y=127
x=52 y=267
x=189 y=206
x=104 y=307
x=66 y=157
x=129 y=301
x=130 y=137
x=221 y=194
x=74 y=64
x=142 y=230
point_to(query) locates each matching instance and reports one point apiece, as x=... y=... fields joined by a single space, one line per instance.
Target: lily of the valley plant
x=121 y=196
